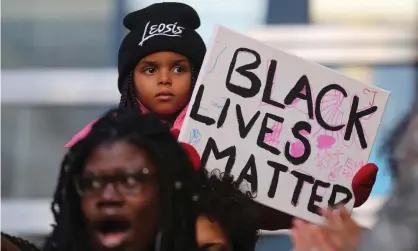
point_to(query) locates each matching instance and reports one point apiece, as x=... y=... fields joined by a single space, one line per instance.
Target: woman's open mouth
x=112 y=233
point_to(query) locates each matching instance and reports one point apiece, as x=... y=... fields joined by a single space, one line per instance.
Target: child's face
x=163 y=82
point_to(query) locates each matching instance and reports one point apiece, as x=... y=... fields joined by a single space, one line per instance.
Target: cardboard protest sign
x=293 y=132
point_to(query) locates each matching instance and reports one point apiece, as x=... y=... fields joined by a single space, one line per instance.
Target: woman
x=128 y=185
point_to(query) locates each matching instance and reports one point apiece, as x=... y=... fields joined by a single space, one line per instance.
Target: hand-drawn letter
x=244 y=71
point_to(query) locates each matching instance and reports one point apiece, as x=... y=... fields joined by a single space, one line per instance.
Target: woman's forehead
x=117 y=156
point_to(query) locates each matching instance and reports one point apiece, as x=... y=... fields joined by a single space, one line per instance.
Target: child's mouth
x=164 y=96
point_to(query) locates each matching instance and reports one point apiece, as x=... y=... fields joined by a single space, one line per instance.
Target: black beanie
x=160 y=27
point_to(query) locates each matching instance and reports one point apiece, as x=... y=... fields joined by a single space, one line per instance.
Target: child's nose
x=164 y=77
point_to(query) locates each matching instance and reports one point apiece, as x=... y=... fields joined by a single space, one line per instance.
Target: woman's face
x=163 y=82
x=119 y=197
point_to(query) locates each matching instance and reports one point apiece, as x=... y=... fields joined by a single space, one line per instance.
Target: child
x=159 y=61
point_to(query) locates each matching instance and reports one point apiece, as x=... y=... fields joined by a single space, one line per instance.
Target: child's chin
x=165 y=110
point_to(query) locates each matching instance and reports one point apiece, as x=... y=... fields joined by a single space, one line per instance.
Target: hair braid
x=128 y=98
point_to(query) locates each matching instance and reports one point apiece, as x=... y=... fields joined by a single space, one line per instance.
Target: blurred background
x=58 y=62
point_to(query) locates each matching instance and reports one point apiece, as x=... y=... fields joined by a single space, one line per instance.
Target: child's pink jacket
x=83 y=133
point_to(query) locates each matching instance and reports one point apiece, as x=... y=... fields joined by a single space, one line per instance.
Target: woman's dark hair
x=13 y=243
x=178 y=214
x=128 y=98
x=222 y=200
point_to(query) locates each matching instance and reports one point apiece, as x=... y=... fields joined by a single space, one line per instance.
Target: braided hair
x=128 y=98
x=13 y=243
x=177 y=222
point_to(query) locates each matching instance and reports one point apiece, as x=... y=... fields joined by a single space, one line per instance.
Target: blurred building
x=58 y=73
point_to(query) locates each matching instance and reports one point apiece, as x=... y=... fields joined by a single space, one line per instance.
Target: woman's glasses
x=124 y=183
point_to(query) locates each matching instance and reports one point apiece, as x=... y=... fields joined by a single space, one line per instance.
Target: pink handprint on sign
x=297 y=148
x=325 y=141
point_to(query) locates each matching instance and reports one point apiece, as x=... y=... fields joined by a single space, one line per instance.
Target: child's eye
x=178 y=69
x=149 y=70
